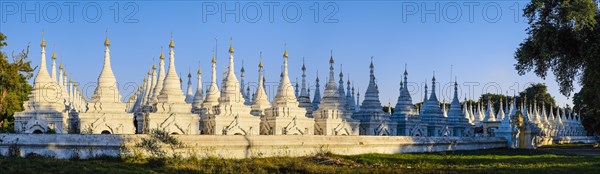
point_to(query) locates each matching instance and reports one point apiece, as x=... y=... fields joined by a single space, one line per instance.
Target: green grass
x=572 y=146
x=481 y=161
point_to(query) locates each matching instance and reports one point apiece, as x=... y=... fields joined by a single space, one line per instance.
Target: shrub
x=156 y=143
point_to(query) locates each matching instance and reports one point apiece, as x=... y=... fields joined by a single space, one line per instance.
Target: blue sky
x=477 y=39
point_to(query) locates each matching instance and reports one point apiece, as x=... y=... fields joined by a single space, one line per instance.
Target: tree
x=586 y=104
x=14 y=87
x=564 y=38
x=495 y=100
x=387 y=109
x=537 y=93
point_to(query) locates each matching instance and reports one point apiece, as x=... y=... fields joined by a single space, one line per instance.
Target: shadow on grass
x=481 y=161
x=485 y=161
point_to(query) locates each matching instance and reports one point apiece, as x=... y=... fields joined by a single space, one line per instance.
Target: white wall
x=85 y=146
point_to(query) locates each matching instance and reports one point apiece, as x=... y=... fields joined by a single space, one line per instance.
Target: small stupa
x=106 y=113
x=231 y=116
x=45 y=105
x=261 y=100
x=373 y=121
x=285 y=117
x=304 y=96
x=332 y=118
x=172 y=114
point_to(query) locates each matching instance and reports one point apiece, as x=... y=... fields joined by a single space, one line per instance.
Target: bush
x=157 y=142
x=14 y=150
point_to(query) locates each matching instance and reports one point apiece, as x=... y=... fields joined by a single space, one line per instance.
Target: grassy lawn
x=481 y=161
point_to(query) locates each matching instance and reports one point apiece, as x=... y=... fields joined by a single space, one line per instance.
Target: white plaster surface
x=66 y=146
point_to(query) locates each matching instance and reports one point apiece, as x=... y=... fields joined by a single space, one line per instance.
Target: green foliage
x=51 y=131
x=563 y=35
x=564 y=38
x=494 y=100
x=14 y=150
x=6 y=127
x=481 y=161
x=157 y=142
x=586 y=103
x=14 y=87
x=387 y=109
x=537 y=93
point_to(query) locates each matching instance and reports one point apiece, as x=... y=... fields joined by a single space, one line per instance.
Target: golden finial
x=260 y=64
x=285 y=54
x=172 y=44
x=54 y=56
x=154 y=67
x=60 y=66
x=162 y=56
x=145 y=79
x=243 y=69
x=74 y=84
x=303 y=67
x=43 y=44
x=214 y=59
x=70 y=80
x=231 y=50
x=199 y=71
x=149 y=72
x=331 y=58
x=106 y=41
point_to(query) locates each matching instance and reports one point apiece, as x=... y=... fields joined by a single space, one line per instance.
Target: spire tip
x=231 y=50
x=172 y=43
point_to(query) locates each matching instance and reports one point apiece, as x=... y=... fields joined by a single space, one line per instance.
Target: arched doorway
x=105 y=132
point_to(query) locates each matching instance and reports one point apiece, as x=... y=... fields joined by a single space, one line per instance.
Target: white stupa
x=153 y=85
x=505 y=129
x=172 y=114
x=458 y=122
x=304 y=96
x=44 y=108
x=160 y=80
x=231 y=116
x=433 y=116
x=261 y=100
x=212 y=98
x=212 y=94
x=490 y=115
x=373 y=121
x=199 y=95
x=405 y=113
x=106 y=113
x=317 y=98
x=285 y=117
x=189 y=94
x=332 y=118
x=350 y=97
